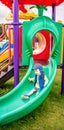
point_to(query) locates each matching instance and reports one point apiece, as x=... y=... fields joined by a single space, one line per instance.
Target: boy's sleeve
x=46 y=80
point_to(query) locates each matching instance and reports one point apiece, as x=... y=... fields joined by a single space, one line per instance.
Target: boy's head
x=38 y=69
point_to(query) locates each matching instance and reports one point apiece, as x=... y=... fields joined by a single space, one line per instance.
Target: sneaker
x=25 y=97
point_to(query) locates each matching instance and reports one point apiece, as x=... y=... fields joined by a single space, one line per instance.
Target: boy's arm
x=46 y=80
x=31 y=79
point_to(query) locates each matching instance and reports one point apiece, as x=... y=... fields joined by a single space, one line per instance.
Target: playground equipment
x=40 y=53
x=40 y=23
x=3 y=45
x=7 y=51
x=12 y=106
x=21 y=107
x=6 y=54
x=22 y=15
x=6 y=70
x=62 y=91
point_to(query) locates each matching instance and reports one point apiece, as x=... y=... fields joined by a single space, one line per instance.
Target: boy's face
x=37 y=72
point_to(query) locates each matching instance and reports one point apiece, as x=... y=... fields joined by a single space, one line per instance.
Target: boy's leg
x=31 y=92
x=28 y=94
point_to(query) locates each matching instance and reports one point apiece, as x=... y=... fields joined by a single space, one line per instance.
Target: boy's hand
x=29 y=79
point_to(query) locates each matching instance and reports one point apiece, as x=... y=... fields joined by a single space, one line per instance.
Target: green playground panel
x=30 y=28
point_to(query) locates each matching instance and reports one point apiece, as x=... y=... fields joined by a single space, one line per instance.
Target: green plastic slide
x=13 y=107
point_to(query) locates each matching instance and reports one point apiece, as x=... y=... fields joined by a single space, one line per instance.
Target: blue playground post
x=53 y=18
x=53 y=12
x=16 y=41
x=62 y=90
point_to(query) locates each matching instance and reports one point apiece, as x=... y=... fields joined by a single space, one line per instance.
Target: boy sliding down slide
x=40 y=80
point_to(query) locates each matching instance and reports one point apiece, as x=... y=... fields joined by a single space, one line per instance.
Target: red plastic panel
x=8 y=3
x=46 y=53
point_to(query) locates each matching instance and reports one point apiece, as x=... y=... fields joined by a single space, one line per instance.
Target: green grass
x=48 y=116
